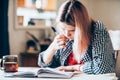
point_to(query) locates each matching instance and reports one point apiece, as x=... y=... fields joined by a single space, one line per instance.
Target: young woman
x=83 y=45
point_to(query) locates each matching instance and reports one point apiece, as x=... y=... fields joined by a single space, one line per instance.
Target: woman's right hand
x=59 y=42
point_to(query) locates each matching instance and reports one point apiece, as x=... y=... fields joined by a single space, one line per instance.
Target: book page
x=31 y=72
x=50 y=72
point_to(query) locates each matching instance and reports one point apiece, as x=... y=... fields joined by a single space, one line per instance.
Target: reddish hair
x=74 y=13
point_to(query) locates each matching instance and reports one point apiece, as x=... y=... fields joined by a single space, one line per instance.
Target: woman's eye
x=72 y=30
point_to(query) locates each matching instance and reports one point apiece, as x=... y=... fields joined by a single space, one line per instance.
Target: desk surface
x=109 y=76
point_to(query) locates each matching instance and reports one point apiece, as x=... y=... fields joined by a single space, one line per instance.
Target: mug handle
x=1 y=65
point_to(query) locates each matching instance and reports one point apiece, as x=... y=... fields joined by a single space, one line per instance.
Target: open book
x=41 y=72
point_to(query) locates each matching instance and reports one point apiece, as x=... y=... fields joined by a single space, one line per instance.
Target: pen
x=54 y=30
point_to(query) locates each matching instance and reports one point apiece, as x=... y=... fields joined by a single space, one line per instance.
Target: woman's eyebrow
x=69 y=30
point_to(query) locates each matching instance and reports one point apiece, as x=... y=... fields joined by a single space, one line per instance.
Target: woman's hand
x=59 y=42
x=71 y=68
x=61 y=68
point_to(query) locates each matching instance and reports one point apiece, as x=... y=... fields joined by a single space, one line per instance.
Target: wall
x=107 y=11
x=18 y=38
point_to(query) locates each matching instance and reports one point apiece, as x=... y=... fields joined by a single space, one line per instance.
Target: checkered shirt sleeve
x=102 y=53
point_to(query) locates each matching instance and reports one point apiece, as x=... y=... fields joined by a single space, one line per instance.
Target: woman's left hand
x=69 y=68
x=61 y=68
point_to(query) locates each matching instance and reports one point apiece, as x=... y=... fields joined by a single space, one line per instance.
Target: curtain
x=4 y=37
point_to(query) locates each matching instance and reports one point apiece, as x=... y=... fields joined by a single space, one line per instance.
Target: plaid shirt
x=98 y=58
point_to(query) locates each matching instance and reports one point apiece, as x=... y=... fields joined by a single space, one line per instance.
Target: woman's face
x=68 y=30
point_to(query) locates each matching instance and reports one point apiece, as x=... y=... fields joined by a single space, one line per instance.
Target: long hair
x=73 y=12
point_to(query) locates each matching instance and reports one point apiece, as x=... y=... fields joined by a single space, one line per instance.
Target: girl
x=83 y=45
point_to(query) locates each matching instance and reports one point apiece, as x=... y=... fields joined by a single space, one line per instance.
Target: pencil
x=54 y=30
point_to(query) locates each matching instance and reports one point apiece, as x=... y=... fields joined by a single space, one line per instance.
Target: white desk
x=110 y=76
